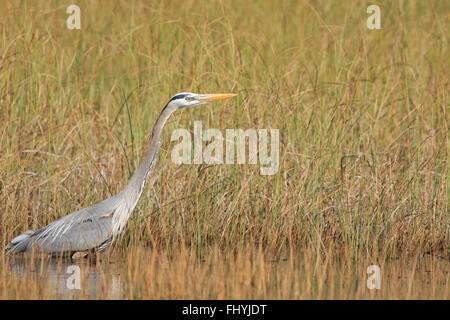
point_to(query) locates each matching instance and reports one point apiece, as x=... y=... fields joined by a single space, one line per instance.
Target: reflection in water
x=65 y=276
x=143 y=273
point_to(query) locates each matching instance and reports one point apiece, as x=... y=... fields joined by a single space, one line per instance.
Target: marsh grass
x=362 y=114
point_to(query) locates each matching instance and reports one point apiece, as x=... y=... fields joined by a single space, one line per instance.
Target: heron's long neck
x=137 y=182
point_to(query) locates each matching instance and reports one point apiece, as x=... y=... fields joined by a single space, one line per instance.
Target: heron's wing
x=82 y=230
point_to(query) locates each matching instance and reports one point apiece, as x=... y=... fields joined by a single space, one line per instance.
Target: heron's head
x=189 y=99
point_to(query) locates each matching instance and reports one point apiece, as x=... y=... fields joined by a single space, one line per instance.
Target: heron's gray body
x=79 y=231
x=97 y=226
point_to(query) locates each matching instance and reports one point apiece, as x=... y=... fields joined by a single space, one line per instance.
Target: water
x=63 y=278
x=143 y=273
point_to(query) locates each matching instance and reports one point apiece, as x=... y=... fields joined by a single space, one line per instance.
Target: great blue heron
x=97 y=226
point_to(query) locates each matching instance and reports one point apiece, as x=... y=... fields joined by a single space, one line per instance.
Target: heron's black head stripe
x=179 y=96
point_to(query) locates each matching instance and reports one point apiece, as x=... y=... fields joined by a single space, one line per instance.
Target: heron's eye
x=188 y=98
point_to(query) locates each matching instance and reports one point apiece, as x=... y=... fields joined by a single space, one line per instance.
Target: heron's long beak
x=215 y=97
